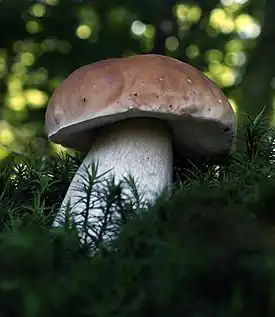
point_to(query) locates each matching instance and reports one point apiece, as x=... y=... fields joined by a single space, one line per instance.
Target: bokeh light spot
x=33 y=27
x=57 y=148
x=185 y=12
x=36 y=98
x=247 y=27
x=17 y=103
x=235 y=59
x=27 y=58
x=172 y=43
x=213 y=56
x=38 y=10
x=221 y=21
x=227 y=77
x=83 y=31
x=6 y=135
x=138 y=28
x=192 y=51
x=234 y=45
x=150 y=31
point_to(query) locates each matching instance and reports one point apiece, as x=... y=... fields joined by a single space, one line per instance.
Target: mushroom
x=131 y=114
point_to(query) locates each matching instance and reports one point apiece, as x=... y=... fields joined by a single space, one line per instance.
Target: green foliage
x=34 y=184
x=41 y=46
x=208 y=250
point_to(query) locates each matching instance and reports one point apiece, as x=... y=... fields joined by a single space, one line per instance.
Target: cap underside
x=199 y=135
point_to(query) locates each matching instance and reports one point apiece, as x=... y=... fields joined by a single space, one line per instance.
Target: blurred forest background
x=42 y=42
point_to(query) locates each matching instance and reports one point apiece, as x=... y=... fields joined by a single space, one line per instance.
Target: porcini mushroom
x=130 y=114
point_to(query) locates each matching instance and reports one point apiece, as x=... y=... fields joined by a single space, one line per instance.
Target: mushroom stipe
x=136 y=112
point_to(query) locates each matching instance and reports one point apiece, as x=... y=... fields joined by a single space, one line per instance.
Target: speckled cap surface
x=201 y=117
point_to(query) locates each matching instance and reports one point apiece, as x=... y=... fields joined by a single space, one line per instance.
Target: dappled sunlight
x=27 y=58
x=145 y=33
x=33 y=27
x=17 y=103
x=192 y=51
x=89 y=23
x=83 y=31
x=58 y=149
x=221 y=21
x=218 y=41
x=38 y=10
x=36 y=98
x=187 y=13
x=172 y=43
x=235 y=59
x=247 y=27
x=6 y=133
x=226 y=67
x=7 y=137
x=138 y=28
x=172 y=213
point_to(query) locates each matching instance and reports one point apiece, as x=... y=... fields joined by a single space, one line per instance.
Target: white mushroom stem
x=140 y=147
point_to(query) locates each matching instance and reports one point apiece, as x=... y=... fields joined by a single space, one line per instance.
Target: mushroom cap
x=201 y=118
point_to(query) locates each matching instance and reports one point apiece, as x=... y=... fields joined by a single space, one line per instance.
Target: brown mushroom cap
x=201 y=118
